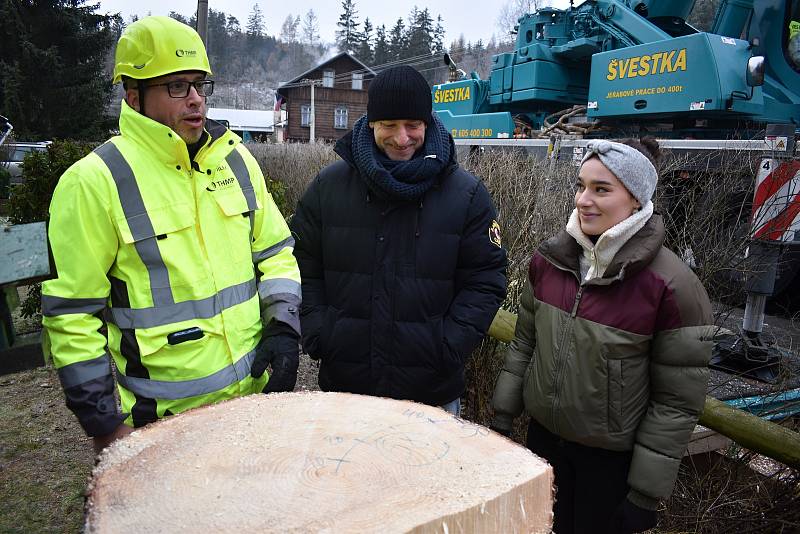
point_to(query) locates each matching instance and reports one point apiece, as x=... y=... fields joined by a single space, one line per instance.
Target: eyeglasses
x=180 y=88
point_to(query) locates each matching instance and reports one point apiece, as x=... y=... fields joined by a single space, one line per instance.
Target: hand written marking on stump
x=412 y=444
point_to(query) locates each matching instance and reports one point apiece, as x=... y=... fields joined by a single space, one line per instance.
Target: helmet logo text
x=185 y=53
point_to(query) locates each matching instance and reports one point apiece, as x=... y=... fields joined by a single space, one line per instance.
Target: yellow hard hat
x=155 y=46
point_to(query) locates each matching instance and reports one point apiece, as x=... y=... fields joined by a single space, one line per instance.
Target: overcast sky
x=476 y=20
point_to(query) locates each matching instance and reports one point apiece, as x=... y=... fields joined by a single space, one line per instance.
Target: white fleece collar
x=597 y=257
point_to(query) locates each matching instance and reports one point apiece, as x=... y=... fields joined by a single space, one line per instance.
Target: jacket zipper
x=577 y=302
x=567 y=329
x=560 y=362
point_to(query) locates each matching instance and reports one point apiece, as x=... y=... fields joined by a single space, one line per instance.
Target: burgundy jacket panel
x=646 y=292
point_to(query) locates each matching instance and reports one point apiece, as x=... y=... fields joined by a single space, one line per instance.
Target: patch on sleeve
x=494 y=234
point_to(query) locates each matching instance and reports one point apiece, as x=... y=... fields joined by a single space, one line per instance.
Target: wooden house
x=340 y=99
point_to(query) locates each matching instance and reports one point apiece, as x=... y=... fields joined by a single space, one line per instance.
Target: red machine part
x=776 y=204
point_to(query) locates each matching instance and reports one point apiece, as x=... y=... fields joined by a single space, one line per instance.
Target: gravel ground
x=307 y=374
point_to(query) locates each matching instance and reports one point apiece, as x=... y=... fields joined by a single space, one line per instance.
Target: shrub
x=734 y=491
x=30 y=201
x=533 y=198
x=41 y=172
x=5 y=181
x=707 y=218
x=292 y=164
x=278 y=191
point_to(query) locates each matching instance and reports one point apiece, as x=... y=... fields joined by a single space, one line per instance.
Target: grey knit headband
x=630 y=166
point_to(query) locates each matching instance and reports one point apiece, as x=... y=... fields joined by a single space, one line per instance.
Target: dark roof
x=296 y=79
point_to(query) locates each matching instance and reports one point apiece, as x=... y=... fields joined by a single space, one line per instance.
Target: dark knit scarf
x=404 y=180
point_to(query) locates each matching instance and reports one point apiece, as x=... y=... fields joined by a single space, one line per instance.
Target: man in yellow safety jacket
x=172 y=258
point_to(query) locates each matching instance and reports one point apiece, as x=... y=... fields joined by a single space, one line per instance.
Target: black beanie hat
x=399 y=93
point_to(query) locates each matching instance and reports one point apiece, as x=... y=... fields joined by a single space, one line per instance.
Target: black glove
x=284 y=366
x=263 y=358
x=282 y=351
x=630 y=518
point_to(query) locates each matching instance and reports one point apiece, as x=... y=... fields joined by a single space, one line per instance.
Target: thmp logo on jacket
x=215 y=185
x=227 y=183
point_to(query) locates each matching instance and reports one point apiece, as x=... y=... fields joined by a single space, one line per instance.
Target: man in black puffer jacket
x=399 y=251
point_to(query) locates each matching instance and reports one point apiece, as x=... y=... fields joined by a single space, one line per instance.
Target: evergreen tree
x=255 y=23
x=232 y=56
x=310 y=28
x=232 y=26
x=438 y=37
x=381 y=52
x=52 y=60
x=255 y=33
x=397 y=41
x=347 y=36
x=117 y=27
x=419 y=43
x=177 y=16
x=420 y=33
x=218 y=41
x=365 y=52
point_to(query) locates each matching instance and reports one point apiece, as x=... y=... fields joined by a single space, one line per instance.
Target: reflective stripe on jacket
x=154 y=244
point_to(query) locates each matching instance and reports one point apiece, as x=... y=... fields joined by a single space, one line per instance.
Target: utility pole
x=311 y=120
x=202 y=20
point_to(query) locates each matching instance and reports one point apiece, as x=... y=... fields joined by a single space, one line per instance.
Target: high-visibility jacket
x=156 y=247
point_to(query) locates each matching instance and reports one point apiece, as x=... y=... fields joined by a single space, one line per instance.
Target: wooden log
x=749 y=431
x=754 y=433
x=318 y=462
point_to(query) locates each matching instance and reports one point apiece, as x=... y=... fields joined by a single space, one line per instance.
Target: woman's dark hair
x=648 y=146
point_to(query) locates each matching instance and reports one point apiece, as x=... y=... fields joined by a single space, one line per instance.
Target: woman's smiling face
x=601 y=199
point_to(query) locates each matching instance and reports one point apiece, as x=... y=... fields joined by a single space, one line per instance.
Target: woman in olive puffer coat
x=610 y=352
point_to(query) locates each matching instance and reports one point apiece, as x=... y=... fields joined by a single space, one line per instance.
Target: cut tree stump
x=318 y=462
